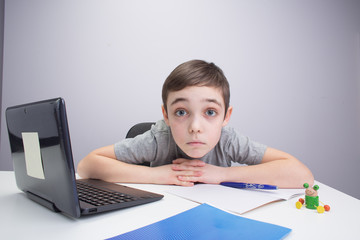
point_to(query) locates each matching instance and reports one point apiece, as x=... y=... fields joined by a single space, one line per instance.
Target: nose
x=195 y=125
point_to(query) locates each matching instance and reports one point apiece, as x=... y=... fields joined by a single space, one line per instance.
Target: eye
x=180 y=113
x=210 y=112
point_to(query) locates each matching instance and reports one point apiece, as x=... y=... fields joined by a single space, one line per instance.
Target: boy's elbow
x=305 y=175
x=310 y=177
x=81 y=169
x=84 y=167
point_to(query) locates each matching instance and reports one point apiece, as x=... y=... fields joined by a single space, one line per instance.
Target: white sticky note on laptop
x=33 y=161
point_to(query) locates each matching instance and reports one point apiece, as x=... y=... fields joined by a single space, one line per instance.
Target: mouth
x=195 y=143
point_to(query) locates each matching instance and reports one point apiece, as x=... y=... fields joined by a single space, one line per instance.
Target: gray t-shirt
x=158 y=147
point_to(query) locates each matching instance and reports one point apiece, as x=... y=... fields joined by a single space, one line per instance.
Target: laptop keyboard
x=99 y=197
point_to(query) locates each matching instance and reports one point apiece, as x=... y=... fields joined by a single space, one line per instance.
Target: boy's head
x=196 y=106
x=196 y=73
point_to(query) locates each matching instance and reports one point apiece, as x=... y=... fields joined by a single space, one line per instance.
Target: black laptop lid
x=41 y=152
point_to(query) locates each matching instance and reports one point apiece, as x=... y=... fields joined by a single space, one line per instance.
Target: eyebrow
x=179 y=100
x=212 y=100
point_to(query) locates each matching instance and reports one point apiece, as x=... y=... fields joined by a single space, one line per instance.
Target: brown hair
x=196 y=73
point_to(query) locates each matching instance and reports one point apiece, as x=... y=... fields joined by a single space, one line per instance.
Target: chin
x=197 y=156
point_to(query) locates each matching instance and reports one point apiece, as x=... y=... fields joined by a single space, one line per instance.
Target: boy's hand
x=208 y=173
x=165 y=174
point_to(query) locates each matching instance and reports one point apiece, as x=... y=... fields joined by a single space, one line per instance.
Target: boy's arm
x=277 y=168
x=102 y=164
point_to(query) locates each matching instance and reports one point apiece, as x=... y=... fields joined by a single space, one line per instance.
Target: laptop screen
x=41 y=151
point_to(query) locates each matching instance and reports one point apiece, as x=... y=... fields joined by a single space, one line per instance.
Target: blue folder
x=206 y=222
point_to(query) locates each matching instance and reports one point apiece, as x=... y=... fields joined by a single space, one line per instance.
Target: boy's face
x=196 y=117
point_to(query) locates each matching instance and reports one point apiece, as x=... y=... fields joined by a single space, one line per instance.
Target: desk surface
x=22 y=218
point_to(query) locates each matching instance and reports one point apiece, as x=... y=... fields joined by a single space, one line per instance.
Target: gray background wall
x=293 y=67
x=2 y=3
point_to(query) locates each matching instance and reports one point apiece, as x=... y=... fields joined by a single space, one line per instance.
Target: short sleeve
x=241 y=149
x=155 y=146
x=137 y=150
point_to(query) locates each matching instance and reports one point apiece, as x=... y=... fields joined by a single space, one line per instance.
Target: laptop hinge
x=42 y=201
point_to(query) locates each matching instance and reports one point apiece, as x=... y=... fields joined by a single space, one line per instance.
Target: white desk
x=22 y=218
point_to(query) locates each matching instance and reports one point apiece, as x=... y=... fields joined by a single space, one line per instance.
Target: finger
x=180 y=160
x=197 y=163
x=190 y=170
x=180 y=167
x=188 y=173
x=177 y=167
x=195 y=174
x=194 y=162
x=185 y=184
x=192 y=179
x=188 y=166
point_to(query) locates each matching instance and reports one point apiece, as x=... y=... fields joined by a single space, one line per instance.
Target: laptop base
x=42 y=202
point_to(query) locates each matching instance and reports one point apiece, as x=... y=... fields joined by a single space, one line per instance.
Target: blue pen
x=249 y=185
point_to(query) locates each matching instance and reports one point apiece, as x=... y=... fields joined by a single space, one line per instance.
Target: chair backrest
x=137 y=129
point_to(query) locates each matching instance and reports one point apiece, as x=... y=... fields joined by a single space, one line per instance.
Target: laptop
x=44 y=169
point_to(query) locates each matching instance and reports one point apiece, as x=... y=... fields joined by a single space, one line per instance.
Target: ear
x=165 y=115
x=227 y=116
x=316 y=187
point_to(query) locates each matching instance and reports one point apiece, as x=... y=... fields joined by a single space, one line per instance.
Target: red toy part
x=301 y=200
x=327 y=208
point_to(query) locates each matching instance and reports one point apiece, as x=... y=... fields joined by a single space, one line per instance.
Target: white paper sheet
x=33 y=161
x=232 y=199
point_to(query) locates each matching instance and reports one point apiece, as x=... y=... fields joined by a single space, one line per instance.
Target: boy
x=193 y=144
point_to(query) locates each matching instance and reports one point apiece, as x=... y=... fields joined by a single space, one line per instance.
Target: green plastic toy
x=312 y=199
